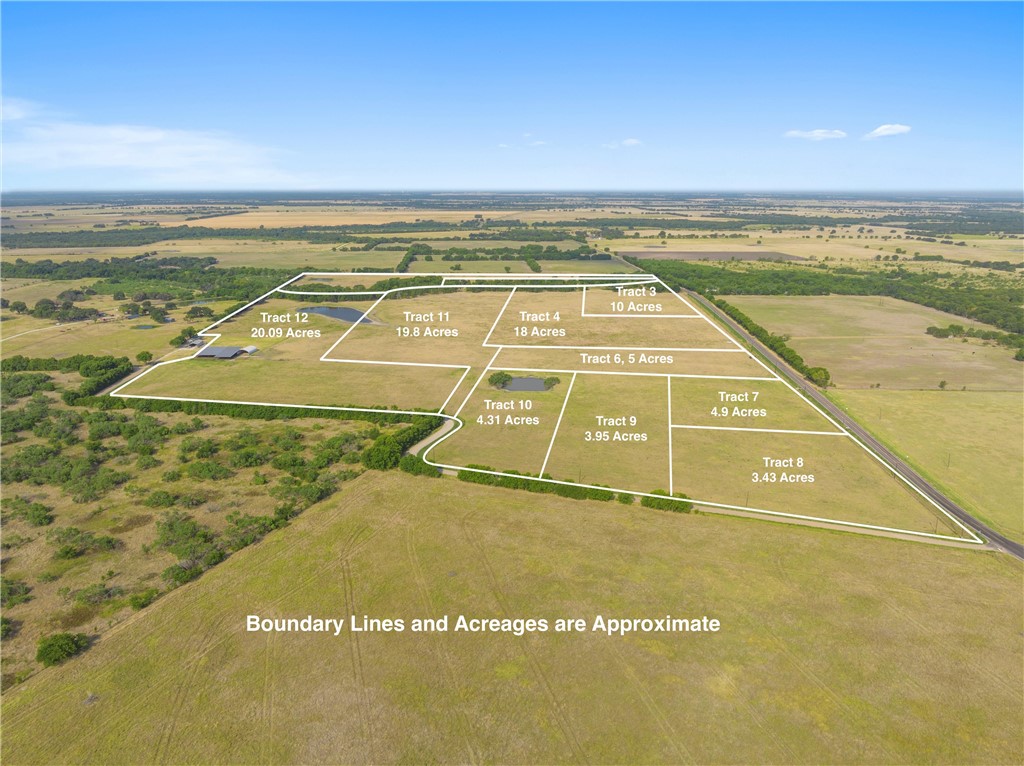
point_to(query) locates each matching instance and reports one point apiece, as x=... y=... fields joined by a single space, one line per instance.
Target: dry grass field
x=124 y=513
x=492 y=435
x=115 y=336
x=309 y=383
x=865 y=340
x=588 y=452
x=971 y=443
x=637 y=332
x=720 y=466
x=754 y=404
x=827 y=652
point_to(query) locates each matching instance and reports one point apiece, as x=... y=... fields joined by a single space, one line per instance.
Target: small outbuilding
x=225 y=352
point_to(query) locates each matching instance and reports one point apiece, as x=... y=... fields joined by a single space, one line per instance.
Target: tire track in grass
x=356 y=541
x=757 y=719
x=356 y=657
x=162 y=754
x=992 y=676
x=670 y=734
x=564 y=724
x=268 y=700
x=816 y=681
x=441 y=645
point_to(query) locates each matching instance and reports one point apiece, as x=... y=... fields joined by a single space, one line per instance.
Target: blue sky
x=688 y=96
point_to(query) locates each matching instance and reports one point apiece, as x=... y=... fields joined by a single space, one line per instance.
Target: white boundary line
x=558 y=423
x=854 y=524
x=636 y=374
x=634 y=316
x=205 y=332
x=619 y=348
x=500 y=315
x=441 y=410
x=863 y=446
x=476 y=383
x=763 y=430
x=671 y=470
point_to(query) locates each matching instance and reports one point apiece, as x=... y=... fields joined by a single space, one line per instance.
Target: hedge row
x=532 y=484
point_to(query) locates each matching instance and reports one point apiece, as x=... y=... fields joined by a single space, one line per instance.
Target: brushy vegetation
x=532 y=484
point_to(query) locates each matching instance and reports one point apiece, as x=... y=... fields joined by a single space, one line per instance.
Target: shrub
x=207 y=469
x=97 y=593
x=8 y=627
x=677 y=503
x=160 y=499
x=13 y=592
x=499 y=379
x=383 y=454
x=72 y=542
x=414 y=465
x=141 y=600
x=36 y=514
x=55 y=649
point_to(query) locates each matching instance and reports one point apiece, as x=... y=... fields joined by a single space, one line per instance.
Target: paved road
x=995 y=540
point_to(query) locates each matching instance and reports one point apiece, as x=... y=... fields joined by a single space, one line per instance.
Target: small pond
x=344 y=313
x=525 y=384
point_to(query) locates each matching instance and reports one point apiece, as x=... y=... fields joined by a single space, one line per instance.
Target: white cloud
x=145 y=154
x=503 y=146
x=17 y=109
x=538 y=143
x=627 y=142
x=819 y=134
x=894 y=129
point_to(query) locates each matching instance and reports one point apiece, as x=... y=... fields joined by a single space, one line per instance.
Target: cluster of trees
x=180 y=277
x=996 y=265
x=44 y=308
x=998 y=306
x=386 y=451
x=1009 y=339
x=14 y=386
x=148 y=235
x=532 y=484
x=777 y=343
x=98 y=371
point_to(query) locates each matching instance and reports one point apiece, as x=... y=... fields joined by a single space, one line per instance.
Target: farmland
x=859 y=623
x=823 y=654
x=609 y=418
x=887 y=371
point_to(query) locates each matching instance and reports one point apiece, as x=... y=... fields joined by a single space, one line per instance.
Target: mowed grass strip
x=970 y=442
x=827 y=652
